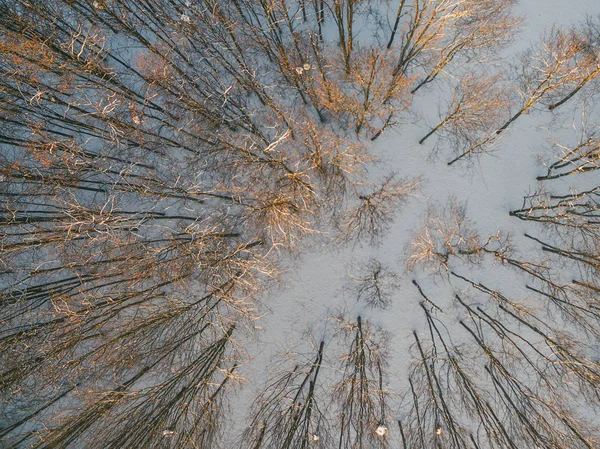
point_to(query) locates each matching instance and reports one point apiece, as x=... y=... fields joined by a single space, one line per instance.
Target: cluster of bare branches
x=154 y=154
x=580 y=158
x=374 y=212
x=156 y=158
x=478 y=104
x=577 y=210
x=291 y=411
x=568 y=234
x=322 y=402
x=374 y=284
x=560 y=66
x=361 y=395
x=550 y=73
x=501 y=382
x=501 y=385
x=446 y=231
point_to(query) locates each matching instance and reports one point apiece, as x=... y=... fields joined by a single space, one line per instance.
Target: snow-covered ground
x=480 y=303
x=314 y=290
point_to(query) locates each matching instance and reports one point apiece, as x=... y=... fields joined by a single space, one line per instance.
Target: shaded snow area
x=300 y=224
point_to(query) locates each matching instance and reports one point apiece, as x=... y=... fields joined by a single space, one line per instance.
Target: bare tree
x=582 y=157
x=562 y=59
x=472 y=28
x=290 y=412
x=589 y=63
x=478 y=104
x=437 y=31
x=447 y=232
x=374 y=284
x=375 y=210
x=577 y=211
x=508 y=346
x=130 y=136
x=360 y=393
x=157 y=158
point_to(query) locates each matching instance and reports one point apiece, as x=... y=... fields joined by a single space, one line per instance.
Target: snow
x=316 y=287
x=491 y=185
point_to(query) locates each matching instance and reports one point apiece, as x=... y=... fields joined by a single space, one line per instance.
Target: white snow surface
x=312 y=290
